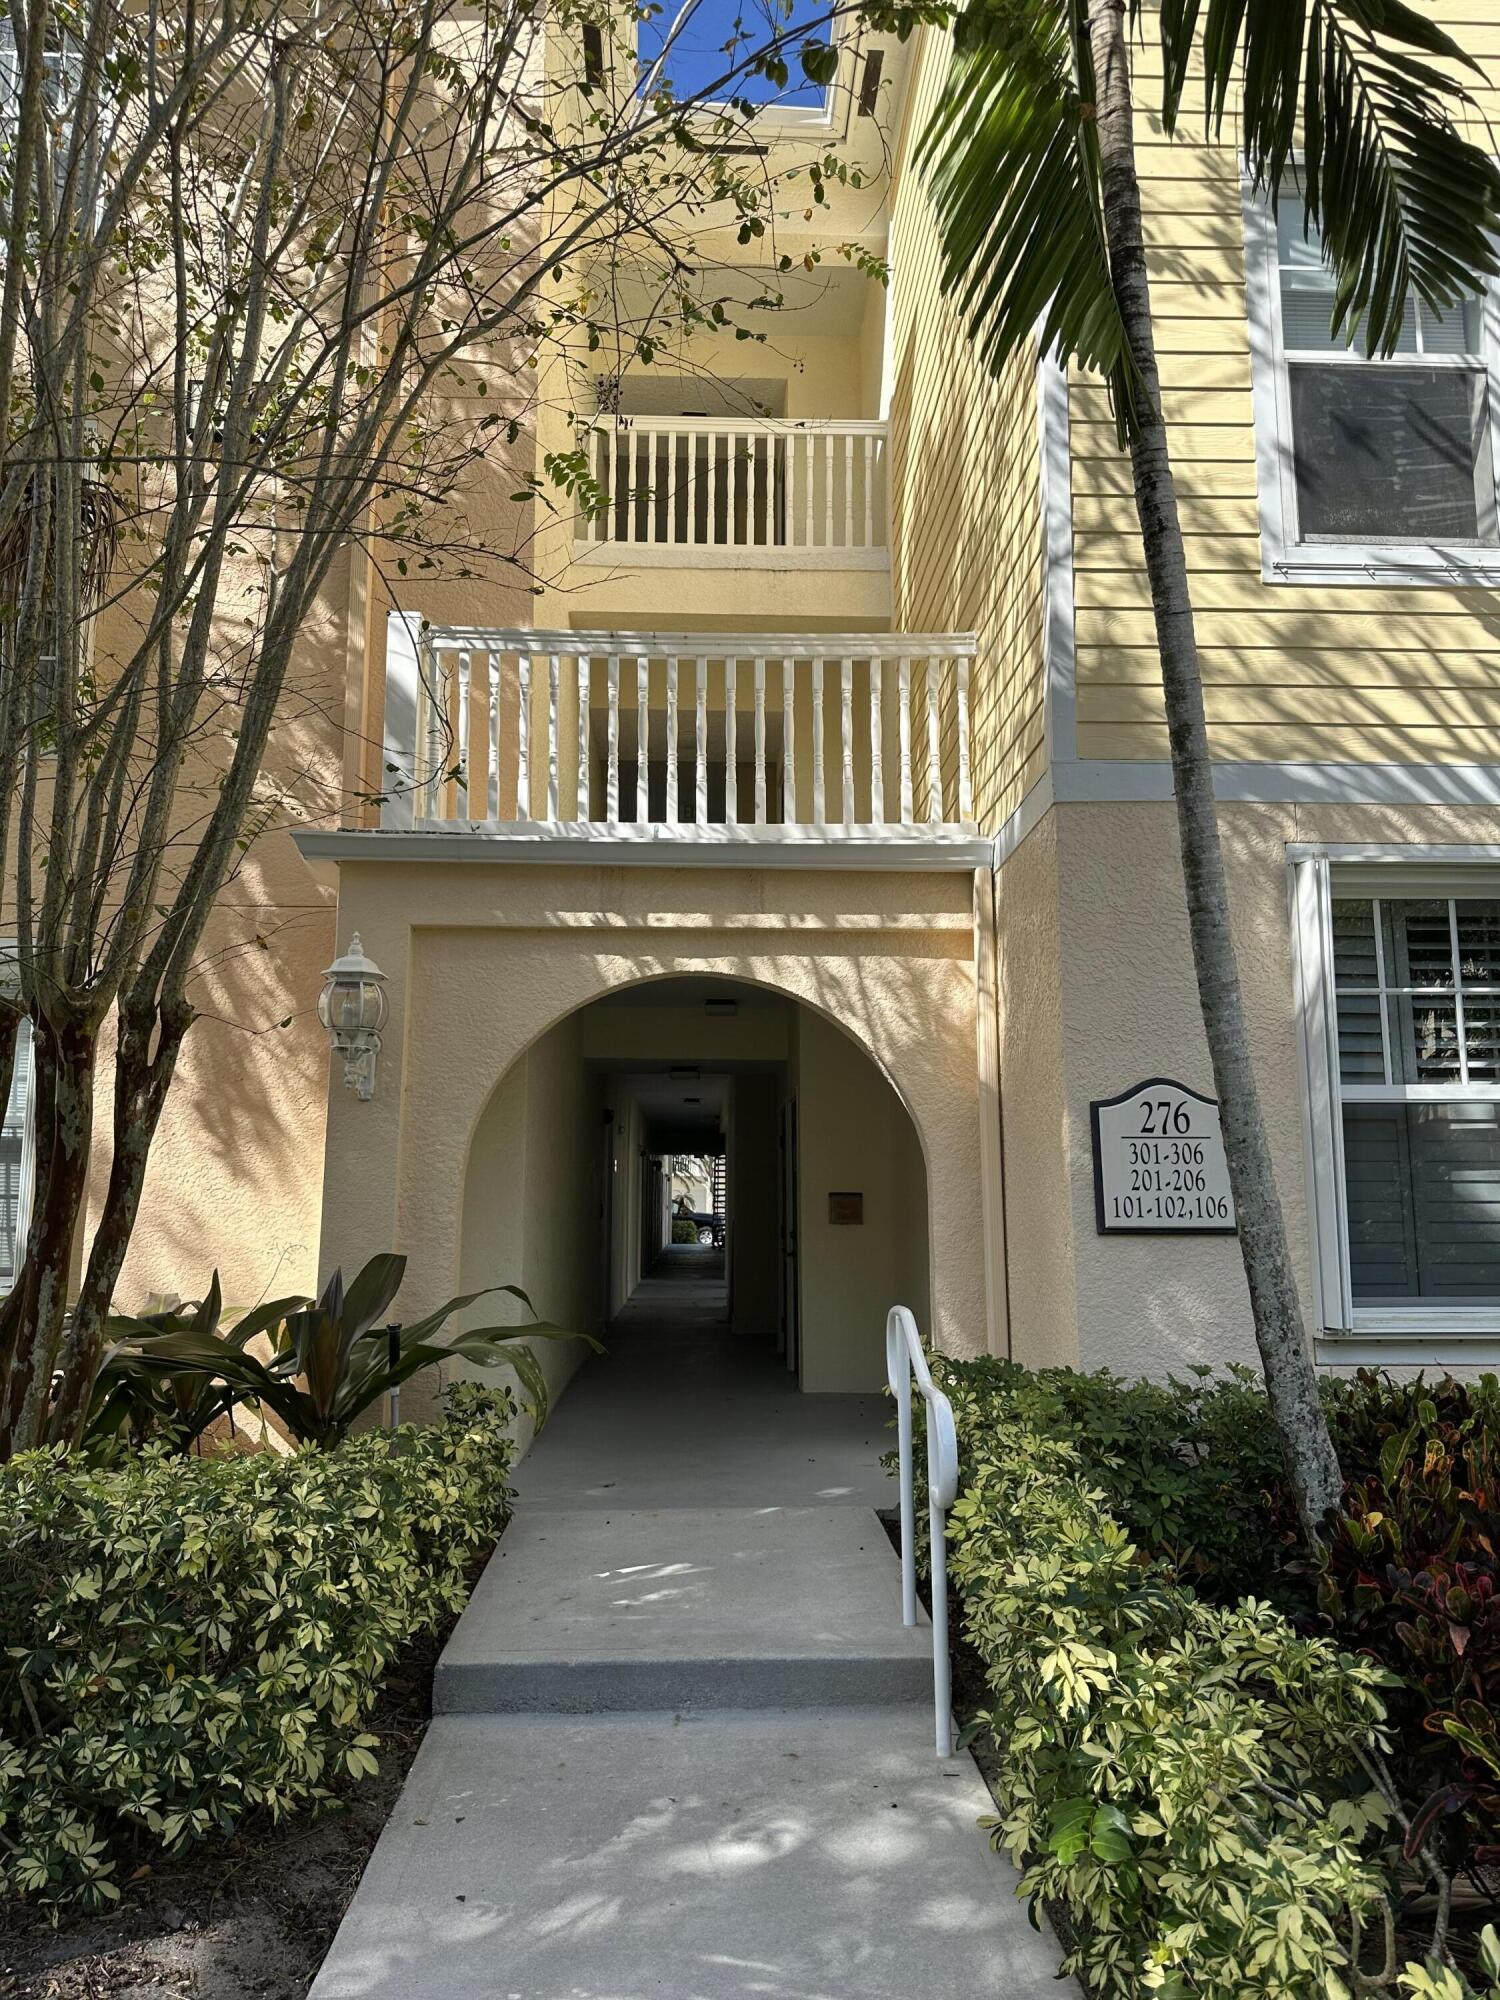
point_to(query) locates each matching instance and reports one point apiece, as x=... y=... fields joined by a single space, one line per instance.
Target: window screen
x=1383 y=451
x=1396 y=449
x=1417 y=984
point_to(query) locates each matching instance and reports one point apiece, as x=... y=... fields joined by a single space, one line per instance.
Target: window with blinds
x=15 y=1176
x=1417 y=1001
x=1393 y=449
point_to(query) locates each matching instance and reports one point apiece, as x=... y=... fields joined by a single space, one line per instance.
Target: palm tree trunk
x=1311 y=1462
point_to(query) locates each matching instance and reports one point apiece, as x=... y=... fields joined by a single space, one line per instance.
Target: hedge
x=1184 y=1777
x=190 y=1639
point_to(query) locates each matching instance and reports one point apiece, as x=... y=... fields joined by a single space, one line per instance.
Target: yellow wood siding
x=1292 y=672
x=964 y=491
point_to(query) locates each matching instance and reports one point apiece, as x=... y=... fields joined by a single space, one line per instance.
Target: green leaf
x=1394 y=1453
x=1110 y=1835
x=820 y=62
x=1068 y=1828
x=373 y=1289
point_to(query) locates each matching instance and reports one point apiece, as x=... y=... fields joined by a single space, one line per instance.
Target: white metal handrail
x=904 y=1360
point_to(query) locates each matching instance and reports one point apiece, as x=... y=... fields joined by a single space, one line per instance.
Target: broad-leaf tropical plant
x=332 y=1358
x=1358 y=106
x=140 y=1394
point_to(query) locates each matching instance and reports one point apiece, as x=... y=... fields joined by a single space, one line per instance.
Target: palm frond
x=1406 y=199
x=1011 y=161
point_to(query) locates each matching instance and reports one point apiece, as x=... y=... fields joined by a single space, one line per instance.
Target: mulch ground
x=251 y=1919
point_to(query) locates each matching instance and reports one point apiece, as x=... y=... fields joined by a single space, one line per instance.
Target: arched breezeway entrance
x=783 y=1146
x=747 y=1114
x=523 y=998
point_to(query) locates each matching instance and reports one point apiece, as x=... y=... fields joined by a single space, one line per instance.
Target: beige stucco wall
x=484 y=958
x=1040 y=1279
x=1099 y=993
x=528 y=1207
x=234 y=1180
x=854 y=1138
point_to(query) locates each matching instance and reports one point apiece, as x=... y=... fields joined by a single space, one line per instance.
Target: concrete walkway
x=682 y=1746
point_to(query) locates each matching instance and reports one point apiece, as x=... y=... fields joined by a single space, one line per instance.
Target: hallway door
x=790 y=1340
x=607 y=1300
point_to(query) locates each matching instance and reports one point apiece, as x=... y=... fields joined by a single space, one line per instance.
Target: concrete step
x=586 y=1611
x=805 y=1854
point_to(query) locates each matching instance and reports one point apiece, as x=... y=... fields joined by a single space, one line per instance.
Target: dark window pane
x=1482 y=1040
x=1354 y=962
x=1361 y=1050
x=1424 y=1202
x=1478 y=922
x=1387 y=452
x=1424 y=1038
x=1418 y=943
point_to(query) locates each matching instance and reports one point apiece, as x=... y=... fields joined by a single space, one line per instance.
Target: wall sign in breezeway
x=1159 y=1167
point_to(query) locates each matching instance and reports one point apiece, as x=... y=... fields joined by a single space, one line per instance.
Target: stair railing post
x=904 y=1360
x=898 y=1373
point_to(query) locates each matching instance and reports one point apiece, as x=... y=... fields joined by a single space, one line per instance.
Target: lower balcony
x=847 y=740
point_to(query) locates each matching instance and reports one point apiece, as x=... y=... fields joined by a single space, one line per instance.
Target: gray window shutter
x=1423 y=1185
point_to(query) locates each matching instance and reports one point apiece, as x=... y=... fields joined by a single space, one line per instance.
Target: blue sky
x=698 y=55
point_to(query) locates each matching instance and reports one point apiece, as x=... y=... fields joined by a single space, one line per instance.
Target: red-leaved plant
x=1411 y=1575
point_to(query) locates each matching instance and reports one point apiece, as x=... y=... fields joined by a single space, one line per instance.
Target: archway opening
x=712 y=1178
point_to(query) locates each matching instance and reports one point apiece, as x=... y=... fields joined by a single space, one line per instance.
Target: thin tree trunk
x=1311 y=1463
x=143 y=1076
x=38 y=1302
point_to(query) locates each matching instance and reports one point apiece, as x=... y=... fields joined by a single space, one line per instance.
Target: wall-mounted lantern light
x=353 y=1008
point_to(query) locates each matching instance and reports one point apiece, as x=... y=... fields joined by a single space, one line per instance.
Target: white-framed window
x=1368 y=470
x=17 y=1153
x=1398 y=978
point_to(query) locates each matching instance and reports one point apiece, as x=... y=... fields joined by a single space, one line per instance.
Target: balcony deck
x=849 y=742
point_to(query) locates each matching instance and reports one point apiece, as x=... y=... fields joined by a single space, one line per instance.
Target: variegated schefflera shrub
x=186 y=1640
x=1186 y=1778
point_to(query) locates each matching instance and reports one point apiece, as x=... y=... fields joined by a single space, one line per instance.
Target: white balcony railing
x=815 y=491
x=674 y=730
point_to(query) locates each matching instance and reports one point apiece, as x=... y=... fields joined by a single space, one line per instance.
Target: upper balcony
x=747 y=493
x=848 y=742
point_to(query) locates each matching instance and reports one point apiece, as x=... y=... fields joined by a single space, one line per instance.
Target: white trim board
x=1101 y=781
x=905 y=850
x=621 y=558
x=1055 y=482
x=1120 y=781
x=1432 y=1350
x=1037 y=802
